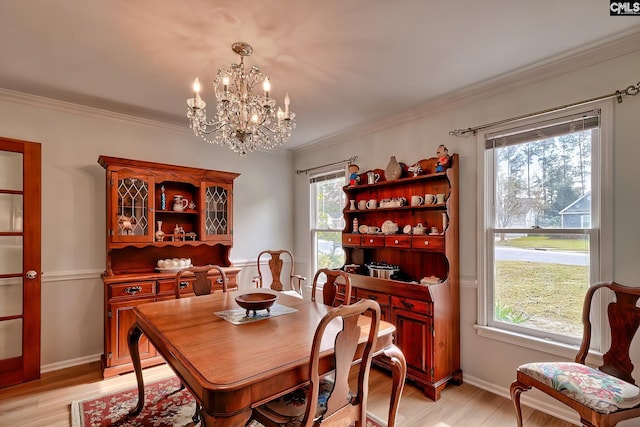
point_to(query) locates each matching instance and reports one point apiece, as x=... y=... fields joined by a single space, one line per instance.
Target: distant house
x=578 y=213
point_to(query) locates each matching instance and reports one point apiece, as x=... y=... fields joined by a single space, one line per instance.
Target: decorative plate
x=407 y=229
x=363 y=229
x=389 y=227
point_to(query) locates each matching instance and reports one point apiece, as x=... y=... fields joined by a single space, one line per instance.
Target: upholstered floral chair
x=602 y=396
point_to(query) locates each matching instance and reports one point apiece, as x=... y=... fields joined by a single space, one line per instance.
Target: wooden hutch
x=140 y=197
x=427 y=315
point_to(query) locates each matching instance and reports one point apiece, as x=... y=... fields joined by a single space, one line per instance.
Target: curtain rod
x=618 y=94
x=349 y=160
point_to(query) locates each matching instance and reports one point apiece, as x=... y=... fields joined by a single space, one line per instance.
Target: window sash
x=600 y=260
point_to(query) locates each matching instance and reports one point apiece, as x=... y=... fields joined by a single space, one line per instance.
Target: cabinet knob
x=349 y=239
x=396 y=241
x=370 y=240
x=184 y=284
x=426 y=242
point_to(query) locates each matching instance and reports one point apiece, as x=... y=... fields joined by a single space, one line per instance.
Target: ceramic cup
x=440 y=198
x=372 y=177
x=434 y=230
x=372 y=204
x=429 y=199
x=362 y=205
x=416 y=200
x=373 y=230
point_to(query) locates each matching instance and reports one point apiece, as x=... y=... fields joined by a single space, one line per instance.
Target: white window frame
x=602 y=219
x=313 y=197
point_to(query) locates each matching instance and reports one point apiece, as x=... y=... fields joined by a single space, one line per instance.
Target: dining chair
x=602 y=396
x=276 y=259
x=202 y=284
x=329 y=399
x=332 y=293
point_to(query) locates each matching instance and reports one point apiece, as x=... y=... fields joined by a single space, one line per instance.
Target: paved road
x=506 y=253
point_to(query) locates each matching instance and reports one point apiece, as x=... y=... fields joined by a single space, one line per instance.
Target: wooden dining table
x=232 y=368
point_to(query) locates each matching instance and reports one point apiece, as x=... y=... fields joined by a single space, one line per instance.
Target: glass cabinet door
x=217 y=203
x=131 y=216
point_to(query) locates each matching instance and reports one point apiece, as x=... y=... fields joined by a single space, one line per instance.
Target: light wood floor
x=45 y=402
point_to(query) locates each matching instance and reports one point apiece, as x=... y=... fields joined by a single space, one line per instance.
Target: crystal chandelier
x=245 y=121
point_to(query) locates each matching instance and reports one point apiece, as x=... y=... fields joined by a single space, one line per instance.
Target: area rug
x=165 y=406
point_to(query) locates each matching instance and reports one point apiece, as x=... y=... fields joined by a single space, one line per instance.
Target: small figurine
x=443 y=158
x=354 y=178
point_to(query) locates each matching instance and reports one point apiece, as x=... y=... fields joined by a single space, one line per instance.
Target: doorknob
x=31 y=274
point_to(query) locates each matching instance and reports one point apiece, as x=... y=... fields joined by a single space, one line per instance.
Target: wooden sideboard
x=139 y=197
x=427 y=315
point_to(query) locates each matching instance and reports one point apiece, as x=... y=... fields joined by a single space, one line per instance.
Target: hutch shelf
x=421 y=296
x=155 y=212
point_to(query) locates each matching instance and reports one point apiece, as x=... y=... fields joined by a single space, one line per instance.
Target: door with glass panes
x=20 y=246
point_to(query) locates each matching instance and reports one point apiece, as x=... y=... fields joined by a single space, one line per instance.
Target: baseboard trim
x=558 y=411
x=70 y=363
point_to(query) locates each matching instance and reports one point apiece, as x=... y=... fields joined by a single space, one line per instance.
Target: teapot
x=418 y=229
x=179 y=204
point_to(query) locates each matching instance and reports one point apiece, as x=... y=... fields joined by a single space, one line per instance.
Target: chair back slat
x=202 y=284
x=330 y=288
x=343 y=404
x=276 y=260
x=623 y=319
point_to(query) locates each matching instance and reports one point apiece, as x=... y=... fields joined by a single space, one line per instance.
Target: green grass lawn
x=542 y=295
x=546 y=242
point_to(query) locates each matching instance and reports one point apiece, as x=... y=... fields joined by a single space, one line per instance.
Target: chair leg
x=515 y=389
x=399 y=373
x=196 y=415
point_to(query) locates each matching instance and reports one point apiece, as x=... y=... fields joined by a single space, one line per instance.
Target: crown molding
x=69 y=107
x=576 y=59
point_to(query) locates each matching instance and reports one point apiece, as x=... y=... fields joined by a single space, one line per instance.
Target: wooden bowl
x=256 y=301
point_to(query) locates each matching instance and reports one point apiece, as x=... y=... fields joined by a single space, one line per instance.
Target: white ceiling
x=344 y=63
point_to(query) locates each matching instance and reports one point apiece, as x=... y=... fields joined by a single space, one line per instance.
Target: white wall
x=486 y=362
x=73 y=206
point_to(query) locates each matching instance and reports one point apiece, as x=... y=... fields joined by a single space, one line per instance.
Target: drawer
x=167 y=286
x=422 y=307
x=432 y=243
x=371 y=240
x=397 y=241
x=381 y=298
x=132 y=289
x=351 y=240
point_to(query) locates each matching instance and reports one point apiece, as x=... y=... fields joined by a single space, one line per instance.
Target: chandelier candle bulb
x=286 y=104
x=266 y=86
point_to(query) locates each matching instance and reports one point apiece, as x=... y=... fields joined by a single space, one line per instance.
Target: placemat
x=238 y=316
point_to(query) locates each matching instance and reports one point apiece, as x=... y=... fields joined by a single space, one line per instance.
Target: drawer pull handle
x=219 y=281
x=407 y=304
x=349 y=239
x=426 y=243
x=184 y=284
x=396 y=241
x=373 y=297
x=132 y=290
x=370 y=240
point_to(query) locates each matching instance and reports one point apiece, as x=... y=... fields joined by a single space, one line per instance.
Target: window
x=545 y=223
x=327 y=222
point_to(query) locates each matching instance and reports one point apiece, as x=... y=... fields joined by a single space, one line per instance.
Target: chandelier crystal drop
x=245 y=120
